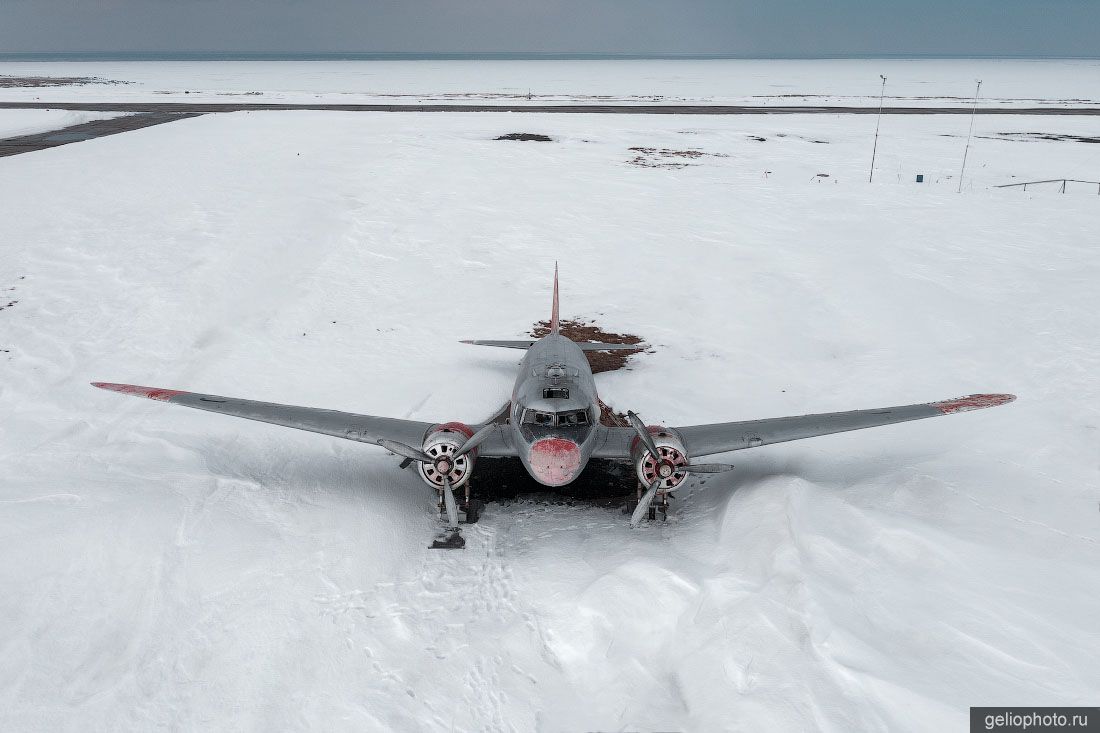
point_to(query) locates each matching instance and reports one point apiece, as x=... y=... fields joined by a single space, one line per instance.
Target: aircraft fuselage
x=555 y=413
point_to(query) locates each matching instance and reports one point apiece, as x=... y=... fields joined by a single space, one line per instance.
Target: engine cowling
x=442 y=441
x=673 y=454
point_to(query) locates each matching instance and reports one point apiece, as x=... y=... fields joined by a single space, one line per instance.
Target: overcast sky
x=740 y=27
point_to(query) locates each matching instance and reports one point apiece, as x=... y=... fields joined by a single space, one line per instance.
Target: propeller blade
x=643 y=504
x=449 y=502
x=405 y=463
x=643 y=433
x=405 y=450
x=475 y=440
x=705 y=468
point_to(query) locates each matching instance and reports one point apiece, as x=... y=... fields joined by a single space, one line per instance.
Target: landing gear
x=657 y=510
x=468 y=512
x=450 y=540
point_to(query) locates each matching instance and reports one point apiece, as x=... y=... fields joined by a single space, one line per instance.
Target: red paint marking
x=554 y=311
x=456 y=427
x=153 y=393
x=654 y=430
x=972 y=402
x=555 y=461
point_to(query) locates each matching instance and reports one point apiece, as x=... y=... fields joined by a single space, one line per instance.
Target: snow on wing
x=362 y=428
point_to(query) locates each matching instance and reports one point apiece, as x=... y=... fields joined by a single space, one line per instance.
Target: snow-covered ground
x=911 y=82
x=16 y=122
x=162 y=568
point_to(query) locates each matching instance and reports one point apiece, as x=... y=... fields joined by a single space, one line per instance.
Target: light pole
x=966 y=150
x=874 y=150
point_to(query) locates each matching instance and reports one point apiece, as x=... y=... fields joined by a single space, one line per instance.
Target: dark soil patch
x=526 y=137
x=800 y=137
x=667 y=157
x=1031 y=136
x=1046 y=136
x=7 y=82
x=600 y=361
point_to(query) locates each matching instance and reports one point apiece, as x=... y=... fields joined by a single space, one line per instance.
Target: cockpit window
x=534 y=417
x=576 y=417
x=573 y=417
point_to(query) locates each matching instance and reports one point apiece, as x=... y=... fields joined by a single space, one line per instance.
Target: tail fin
x=554 y=312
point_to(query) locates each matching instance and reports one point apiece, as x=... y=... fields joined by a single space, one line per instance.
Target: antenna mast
x=874 y=150
x=966 y=150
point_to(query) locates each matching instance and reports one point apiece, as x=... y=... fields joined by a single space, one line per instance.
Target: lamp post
x=874 y=150
x=966 y=150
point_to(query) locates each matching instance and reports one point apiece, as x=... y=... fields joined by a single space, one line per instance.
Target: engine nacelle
x=442 y=441
x=671 y=447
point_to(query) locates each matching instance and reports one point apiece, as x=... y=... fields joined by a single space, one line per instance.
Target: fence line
x=1064 y=181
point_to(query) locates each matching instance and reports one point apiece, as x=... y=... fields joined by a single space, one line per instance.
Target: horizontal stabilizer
x=502 y=344
x=585 y=345
x=597 y=346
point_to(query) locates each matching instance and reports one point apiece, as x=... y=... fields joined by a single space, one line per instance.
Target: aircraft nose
x=555 y=461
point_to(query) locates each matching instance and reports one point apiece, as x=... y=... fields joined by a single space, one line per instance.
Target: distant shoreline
x=634 y=109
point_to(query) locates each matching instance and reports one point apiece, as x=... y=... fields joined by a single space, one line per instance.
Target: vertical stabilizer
x=554 y=311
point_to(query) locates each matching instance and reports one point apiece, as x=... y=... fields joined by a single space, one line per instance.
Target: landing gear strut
x=468 y=512
x=657 y=510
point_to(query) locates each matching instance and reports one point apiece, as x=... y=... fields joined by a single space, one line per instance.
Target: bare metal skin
x=553 y=426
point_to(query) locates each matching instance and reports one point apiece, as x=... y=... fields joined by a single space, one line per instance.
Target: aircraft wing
x=361 y=428
x=703 y=440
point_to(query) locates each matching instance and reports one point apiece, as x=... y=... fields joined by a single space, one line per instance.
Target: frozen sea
x=168 y=569
x=910 y=82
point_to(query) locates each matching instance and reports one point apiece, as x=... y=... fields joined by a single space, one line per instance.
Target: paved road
x=157 y=113
x=86 y=131
x=630 y=109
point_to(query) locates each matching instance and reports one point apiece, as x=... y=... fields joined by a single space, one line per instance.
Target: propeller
x=665 y=468
x=443 y=464
x=643 y=503
x=449 y=502
x=410 y=453
x=415 y=454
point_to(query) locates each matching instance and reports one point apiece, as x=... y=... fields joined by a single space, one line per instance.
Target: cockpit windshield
x=548 y=419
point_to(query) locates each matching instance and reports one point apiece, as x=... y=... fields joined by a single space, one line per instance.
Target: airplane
x=553 y=426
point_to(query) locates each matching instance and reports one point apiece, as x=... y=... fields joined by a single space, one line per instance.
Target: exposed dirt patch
x=526 y=137
x=800 y=137
x=1045 y=136
x=667 y=157
x=7 y=82
x=1032 y=136
x=9 y=302
x=600 y=361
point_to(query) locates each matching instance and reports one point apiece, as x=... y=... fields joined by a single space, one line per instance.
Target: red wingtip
x=554 y=310
x=972 y=402
x=153 y=393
